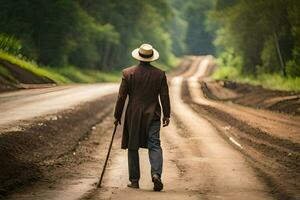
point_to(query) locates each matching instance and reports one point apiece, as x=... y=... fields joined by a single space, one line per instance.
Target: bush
x=223 y=73
x=66 y=74
x=33 y=67
x=270 y=81
x=270 y=63
x=87 y=76
x=293 y=69
x=229 y=58
x=279 y=82
x=229 y=65
x=10 y=44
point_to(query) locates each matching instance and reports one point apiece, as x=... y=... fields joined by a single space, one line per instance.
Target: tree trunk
x=282 y=65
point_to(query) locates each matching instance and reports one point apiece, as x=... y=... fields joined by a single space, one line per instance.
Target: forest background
x=73 y=40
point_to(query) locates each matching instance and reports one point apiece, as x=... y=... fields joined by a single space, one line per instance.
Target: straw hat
x=145 y=53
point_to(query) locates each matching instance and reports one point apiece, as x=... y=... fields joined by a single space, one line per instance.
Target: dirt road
x=212 y=150
x=27 y=104
x=199 y=164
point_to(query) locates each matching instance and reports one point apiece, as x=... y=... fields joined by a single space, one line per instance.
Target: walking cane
x=107 y=156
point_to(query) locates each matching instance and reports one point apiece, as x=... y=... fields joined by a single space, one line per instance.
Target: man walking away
x=144 y=84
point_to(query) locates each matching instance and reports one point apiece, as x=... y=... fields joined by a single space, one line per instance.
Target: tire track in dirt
x=276 y=159
x=199 y=163
x=244 y=127
x=226 y=167
x=257 y=97
x=273 y=161
x=280 y=125
x=176 y=185
x=66 y=153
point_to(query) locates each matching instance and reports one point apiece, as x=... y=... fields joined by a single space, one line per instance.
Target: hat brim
x=135 y=54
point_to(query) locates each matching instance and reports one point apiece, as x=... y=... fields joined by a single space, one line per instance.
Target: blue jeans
x=154 y=151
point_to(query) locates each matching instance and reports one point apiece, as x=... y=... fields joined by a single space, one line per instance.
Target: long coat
x=144 y=84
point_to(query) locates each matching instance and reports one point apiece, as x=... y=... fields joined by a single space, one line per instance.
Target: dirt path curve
x=282 y=125
x=16 y=107
x=269 y=139
x=198 y=162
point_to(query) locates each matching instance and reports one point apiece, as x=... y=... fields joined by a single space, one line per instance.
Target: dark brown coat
x=144 y=84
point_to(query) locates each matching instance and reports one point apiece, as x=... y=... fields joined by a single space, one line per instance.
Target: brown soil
x=30 y=153
x=200 y=162
x=5 y=85
x=275 y=159
x=23 y=77
x=253 y=96
x=277 y=164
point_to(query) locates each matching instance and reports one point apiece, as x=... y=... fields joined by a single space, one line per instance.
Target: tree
x=198 y=39
x=259 y=32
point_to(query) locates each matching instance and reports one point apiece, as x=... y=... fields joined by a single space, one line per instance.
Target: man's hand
x=166 y=121
x=117 y=121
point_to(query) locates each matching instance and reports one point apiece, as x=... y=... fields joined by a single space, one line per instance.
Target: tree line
x=256 y=37
x=261 y=36
x=86 y=33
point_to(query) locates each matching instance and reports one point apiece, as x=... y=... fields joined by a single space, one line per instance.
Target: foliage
x=6 y=74
x=263 y=34
x=198 y=39
x=270 y=81
x=254 y=37
x=33 y=67
x=269 y=58
x=229 y=59
x=225 y=73
x=86 y=33
x=10 y=44
x=100 y=34
x=87 y=75
x=66 y=74
x=177 y=27
x=293 y=68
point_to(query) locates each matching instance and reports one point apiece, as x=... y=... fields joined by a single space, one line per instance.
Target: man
x=144 y=84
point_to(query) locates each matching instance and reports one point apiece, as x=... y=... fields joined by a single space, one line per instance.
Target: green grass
x=34 y=68
x=68 y=74
x=6 y=74
x=88 y=75
x=270 y=81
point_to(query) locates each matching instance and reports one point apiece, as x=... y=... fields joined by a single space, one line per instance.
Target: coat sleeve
x=123 y=92
x=164 y=97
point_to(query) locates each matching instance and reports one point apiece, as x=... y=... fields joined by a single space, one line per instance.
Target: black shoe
x=133 y=185
x=158 y=185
